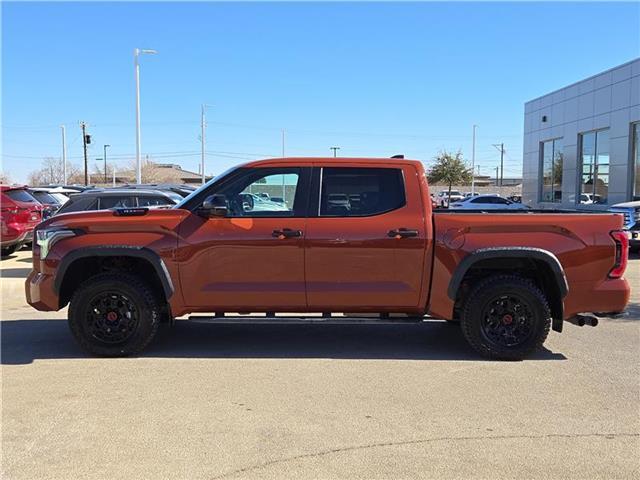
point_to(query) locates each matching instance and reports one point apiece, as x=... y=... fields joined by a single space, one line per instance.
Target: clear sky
x=376 y=79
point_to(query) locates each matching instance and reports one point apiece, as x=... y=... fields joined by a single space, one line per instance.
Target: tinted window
x=354 y=192
x=153 y=200
x=78 y=203
x=20 y=196
x=44 y=197
x=116 y=201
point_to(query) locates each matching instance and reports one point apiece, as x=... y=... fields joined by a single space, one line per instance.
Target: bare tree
x=51 y=172
x=5 y=178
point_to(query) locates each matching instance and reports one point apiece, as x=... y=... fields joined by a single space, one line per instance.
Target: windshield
x=206 y=185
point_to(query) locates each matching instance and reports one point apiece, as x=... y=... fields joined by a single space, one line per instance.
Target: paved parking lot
x=264 y=401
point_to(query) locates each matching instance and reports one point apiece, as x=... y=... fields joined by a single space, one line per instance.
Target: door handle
x=402 y=233
x=286 y=233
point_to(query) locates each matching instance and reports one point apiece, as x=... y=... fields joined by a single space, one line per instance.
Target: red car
x=20 y=214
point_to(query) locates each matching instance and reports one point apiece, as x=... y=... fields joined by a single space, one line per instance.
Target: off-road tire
x=6 y=251
x=139 y=294
x=488 y=291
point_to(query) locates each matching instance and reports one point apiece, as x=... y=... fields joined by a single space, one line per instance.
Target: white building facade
x=582 y=142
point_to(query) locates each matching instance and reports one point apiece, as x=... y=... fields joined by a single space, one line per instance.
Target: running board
x=302 y=320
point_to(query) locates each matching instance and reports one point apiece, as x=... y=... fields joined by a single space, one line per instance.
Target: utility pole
x=501 y=149
x=473 y=161
x=105 y=163
x=497 y=175
x=64 y=156
x=335 y=151
x=84 y=146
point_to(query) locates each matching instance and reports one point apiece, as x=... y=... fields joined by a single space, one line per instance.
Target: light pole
x=136 y=63
x=473 y=162
x=105 y=163
x=335 y=151
x=64 y=156
x=203 y=133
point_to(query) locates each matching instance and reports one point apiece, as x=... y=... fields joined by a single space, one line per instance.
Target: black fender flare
x=116 y=251
x=508 y=252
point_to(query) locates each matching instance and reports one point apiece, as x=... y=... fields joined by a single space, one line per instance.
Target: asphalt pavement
x=315 y=401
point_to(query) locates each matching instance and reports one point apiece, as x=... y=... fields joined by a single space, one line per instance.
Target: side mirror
x=215 y=206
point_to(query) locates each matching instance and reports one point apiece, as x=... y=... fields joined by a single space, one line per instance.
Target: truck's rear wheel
x=114 y=315
x=506 y=317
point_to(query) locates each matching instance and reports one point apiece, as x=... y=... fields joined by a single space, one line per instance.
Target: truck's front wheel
x=114 y=315
x=506 y=317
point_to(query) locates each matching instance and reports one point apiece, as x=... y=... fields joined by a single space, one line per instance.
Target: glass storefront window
x=551 y=171
x=594 y=154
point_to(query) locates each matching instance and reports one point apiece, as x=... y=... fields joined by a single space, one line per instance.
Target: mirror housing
x=215 y=206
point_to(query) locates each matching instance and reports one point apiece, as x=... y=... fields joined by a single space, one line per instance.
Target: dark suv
x=104 y=199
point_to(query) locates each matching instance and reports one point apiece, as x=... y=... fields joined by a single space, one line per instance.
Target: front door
x=252 y=259
x=366 y=239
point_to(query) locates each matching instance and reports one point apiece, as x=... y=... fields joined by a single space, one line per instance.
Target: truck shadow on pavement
x=24 y=341
x=15 y=272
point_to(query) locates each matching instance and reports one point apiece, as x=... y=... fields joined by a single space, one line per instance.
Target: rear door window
x=360 y=192
x=116 y=201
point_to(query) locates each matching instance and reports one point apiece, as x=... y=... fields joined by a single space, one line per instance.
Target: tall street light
x=136 y=63
x=203 y=139
x=105 y=163
x=473 y=162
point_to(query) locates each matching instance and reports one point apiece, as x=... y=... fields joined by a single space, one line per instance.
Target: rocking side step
x=300 y=320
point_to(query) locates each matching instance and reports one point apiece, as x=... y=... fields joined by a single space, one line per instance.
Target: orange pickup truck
x=329 y=236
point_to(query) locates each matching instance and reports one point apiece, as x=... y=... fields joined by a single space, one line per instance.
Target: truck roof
x=307 y=161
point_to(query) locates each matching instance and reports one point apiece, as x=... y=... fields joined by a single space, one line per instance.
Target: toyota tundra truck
x=349 y=239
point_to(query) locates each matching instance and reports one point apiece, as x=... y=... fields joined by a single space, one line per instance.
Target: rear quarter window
x=20 y=196
x=79 y=204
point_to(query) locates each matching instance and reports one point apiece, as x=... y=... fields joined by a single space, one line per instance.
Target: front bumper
x=40 y=292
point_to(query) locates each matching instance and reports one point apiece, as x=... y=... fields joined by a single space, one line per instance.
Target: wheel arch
x=542 y=264
x=87 y=261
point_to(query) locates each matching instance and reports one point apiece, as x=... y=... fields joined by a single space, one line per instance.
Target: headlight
x=46 y=238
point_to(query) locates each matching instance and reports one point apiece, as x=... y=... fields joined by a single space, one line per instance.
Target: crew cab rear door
x=365 y=238
x=253 y=258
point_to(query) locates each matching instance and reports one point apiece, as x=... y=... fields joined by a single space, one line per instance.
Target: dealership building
x=582 y=142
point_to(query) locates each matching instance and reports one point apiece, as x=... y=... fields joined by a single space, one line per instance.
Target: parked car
x=455 y=196
x=507 y=277
x=488 y=202
x=631 y=212
x=51 y=203
x=20 y=213
x=104 y=199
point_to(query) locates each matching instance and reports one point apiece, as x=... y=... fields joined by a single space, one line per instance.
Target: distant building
x=582 y=142
x=161 y=173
